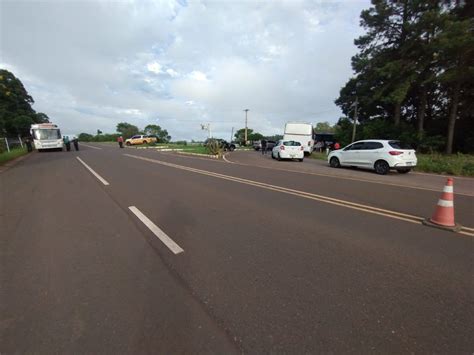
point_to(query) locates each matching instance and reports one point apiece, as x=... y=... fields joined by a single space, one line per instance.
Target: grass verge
x=12 y=154
x=455 y=164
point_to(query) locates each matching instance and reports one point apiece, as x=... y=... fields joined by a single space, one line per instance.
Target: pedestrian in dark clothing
x=29 y=146
x=264 y=146
x=67 y=142
x=75 y=141
x=120 y=141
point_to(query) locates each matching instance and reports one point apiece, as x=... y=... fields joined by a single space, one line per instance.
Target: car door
x=370 y=153
x=351 y=154
x=135 y=140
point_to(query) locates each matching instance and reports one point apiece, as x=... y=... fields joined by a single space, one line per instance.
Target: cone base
x=455 y=228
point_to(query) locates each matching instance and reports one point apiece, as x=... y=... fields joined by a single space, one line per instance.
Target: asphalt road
x=273 y=261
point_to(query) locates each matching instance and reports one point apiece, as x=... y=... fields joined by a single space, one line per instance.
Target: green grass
x=14 y=153
x=319 y=156
x=455 y=164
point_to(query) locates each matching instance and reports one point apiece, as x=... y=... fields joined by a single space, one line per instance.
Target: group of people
x=67 y=143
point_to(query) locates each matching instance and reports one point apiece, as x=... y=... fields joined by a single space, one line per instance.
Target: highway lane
x=279 y=277
x=77 y=276
x=416 y=202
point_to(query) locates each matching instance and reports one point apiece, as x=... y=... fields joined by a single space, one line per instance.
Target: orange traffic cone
x=443 y=216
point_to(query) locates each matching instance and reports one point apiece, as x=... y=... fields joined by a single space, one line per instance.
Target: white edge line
x=90 y=146
x=224 y=157
x=100 y=178
x=175 y=248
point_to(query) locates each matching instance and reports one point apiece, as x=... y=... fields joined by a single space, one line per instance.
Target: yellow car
x=140 y=139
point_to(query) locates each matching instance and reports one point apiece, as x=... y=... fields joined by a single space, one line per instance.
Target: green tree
x=324 y=127
x=127 y=130
x=156 y=130
x=85 y=137
x=415 y=65
x=16 y=113
x=251 y=136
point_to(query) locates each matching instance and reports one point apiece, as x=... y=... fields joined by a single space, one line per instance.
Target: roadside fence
x=9 y=143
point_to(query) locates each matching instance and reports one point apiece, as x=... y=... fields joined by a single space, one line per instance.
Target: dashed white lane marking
x=90 y=146
x=100 y=178
x=175 y=248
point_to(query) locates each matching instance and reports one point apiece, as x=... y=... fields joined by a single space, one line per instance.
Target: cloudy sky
x=92 y=64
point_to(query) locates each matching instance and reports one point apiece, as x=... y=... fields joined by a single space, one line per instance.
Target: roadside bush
x=213 y=147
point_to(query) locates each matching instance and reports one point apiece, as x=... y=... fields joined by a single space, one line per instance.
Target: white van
x=300 y=132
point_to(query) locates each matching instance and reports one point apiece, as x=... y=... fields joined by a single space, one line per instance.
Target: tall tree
x=127 y=130
x=16 y=113
x=456 y=58
x=156 y=130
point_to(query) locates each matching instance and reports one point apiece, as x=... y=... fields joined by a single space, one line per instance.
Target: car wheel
x=404 y=171
x=381 y=167
x=232 y=148
x=334 y=163
x=300 y=159
x=278 y=157
x=128 y=143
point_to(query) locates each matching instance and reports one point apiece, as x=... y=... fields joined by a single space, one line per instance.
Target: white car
x=288 y=150
x=379 y=155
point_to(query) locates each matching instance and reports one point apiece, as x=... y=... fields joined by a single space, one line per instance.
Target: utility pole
x=355 y=119
x=246 y=110
x=207 y=127
x=232 y=135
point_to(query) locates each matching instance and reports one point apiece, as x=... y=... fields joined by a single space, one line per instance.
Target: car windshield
x=44 y=134
x=292 y=143
x=399 y=145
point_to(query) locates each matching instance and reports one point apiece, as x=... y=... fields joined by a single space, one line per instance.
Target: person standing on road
x=264 y=146
x=120 y=141
x=29 y=146
x=75 y=141
x=67 y=143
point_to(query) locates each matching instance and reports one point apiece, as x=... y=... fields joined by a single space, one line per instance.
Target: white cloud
x=90 y=65
x=154 y=67
x=197 y=75
x=172 y=73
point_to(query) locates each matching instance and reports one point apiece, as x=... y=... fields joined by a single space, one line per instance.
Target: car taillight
x=395 y=152
x=282 y=147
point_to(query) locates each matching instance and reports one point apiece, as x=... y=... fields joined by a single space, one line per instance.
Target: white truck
x=300 y=132
x=46 y=136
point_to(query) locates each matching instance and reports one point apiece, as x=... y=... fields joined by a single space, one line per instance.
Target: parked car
x=257 y=145
x=140 y=139
x=379 y=155
x=288 y=150
x=226 y=146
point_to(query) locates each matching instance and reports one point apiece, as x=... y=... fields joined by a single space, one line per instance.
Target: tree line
x=127 y=130
x=414 y=75
x=16 y=113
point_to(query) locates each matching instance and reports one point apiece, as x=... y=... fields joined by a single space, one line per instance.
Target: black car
x=226 y=146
